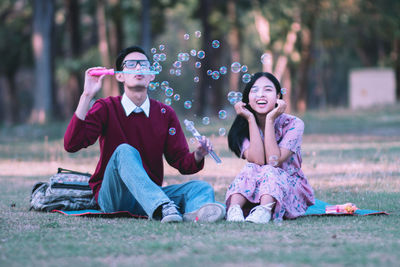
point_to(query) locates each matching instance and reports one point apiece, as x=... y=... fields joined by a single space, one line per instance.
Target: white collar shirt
x=130 y=107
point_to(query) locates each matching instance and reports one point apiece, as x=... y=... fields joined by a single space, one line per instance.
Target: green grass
x=347 y=156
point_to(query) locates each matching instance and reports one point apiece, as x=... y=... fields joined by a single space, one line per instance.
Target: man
x=134 y=133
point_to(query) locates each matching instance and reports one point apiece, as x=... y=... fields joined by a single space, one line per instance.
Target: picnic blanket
x=317 y=210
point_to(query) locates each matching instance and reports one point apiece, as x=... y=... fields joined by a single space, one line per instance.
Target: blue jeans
x=127 y=187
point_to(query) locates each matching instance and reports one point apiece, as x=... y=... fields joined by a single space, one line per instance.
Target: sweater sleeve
x=83 y=133
x=176 y=149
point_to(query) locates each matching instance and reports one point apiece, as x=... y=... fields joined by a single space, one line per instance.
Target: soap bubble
x=163 y=110
x=188 y=104
x=223 y=70
x=153 y=50
x=152 y=86
x=172 y=131
x=157 y=66
x=244 y=68
x=283 y=91
x=196 y=79
x=222 y=131
x=168 y=101
x=235 y=67
x=172 y=71
x=197 y=34
x=161 y=47
x=164 y=85
x=201 y=54
x=177 y=64
x=197 y=64
x=209 y=72
x=222 y=114
x=246 y=78
x=215 y=75
x=178 y=72
x=177 y=97
x=184 y=57
x=156 y=57
x=169 y=92
x=163 y=57
x=157 y=84
x=186 y=36
x=266 y=58
x=193 y=52
x=234 y=97
x=215 y=44
x=206 y=120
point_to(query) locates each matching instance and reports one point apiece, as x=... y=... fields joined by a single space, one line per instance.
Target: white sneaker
x=260 y=214
x=210 y=212
x=235 y=214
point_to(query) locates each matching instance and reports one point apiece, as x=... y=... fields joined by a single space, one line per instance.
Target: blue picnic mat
x=317 y=209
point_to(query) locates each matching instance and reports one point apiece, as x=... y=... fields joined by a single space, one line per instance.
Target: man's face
x=134 y=81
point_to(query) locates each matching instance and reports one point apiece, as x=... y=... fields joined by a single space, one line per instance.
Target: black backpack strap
x=62 y=170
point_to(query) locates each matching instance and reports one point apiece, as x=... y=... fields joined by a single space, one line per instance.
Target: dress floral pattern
x=287 y=183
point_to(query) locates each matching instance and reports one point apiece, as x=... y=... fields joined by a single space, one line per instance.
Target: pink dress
x=287 y=183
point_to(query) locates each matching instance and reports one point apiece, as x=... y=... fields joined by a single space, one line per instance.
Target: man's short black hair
x=125 y=52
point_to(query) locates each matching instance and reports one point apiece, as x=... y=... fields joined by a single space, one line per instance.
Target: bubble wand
x=99 y=72
x=190 y=127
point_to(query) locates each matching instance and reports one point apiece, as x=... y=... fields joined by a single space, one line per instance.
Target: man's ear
x=119 y=77
x=152 y=77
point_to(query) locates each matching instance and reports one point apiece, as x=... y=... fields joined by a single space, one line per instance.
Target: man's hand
x=276 y=112
x=92 y=83
x=203 y=148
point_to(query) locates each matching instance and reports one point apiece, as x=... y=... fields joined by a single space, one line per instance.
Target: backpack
x=66 y=190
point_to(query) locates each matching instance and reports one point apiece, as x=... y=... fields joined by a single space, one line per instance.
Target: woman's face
x=262 y=96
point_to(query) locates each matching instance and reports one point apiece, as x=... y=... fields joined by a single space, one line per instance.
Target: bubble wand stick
x=99 y=72
x=190 y=127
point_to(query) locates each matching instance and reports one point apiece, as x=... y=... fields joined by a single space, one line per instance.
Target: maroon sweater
x=149 y=135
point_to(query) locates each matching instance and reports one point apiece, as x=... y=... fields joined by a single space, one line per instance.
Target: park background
x=349 y=155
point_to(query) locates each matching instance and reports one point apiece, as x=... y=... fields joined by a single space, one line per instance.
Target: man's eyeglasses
x=131 y=64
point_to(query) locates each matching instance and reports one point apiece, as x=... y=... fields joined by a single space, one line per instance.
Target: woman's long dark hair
x=240 y=127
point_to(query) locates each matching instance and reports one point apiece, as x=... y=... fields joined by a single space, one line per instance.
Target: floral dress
x=287 y=183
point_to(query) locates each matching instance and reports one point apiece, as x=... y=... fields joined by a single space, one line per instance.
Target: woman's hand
x=203 y=148
x=276 y=112
x=92 y=83
x=241 y=110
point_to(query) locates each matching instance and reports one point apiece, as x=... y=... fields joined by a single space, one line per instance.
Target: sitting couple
x=135 y=132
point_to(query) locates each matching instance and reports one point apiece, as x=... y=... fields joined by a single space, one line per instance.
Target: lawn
x=347 y=156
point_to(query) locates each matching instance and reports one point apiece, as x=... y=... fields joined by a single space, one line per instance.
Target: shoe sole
x=208 y=213
x=171 y=219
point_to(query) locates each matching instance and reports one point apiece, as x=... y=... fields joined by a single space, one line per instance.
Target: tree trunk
x=234 y=41
x=43 y=22
x=397 y=67
x=146 y=25
x=115 y=36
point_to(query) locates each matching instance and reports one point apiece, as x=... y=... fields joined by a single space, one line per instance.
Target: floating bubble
x=193 y=52
x=244 y=68
x=234 y=97
x=157 y=66
x=197 y=34
x=201 y=54
x=196 y=79
x=188 y=104
x=172 y=131
x=266 y=58
x=223 y=70
x=169 y=92
x=152 y=86
x=222 y=131
x=246 y=78
x=283 y=91
x=164 y=85
x=215 y=75
x=177 y=64
x=156 y=57
x=183 y=57
x=177 y=97
x=163 y=110
x=215 y=44
x=161 y=47
x=186 y=36
x=163 y=57
x=157 y=84
x=209 y=72
x=153 y=50
x=206 y=120
x=197 y=64
x=178 y=72
x=168 y=101
x=222 y=114
x=172 y=71
x=235 y=67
